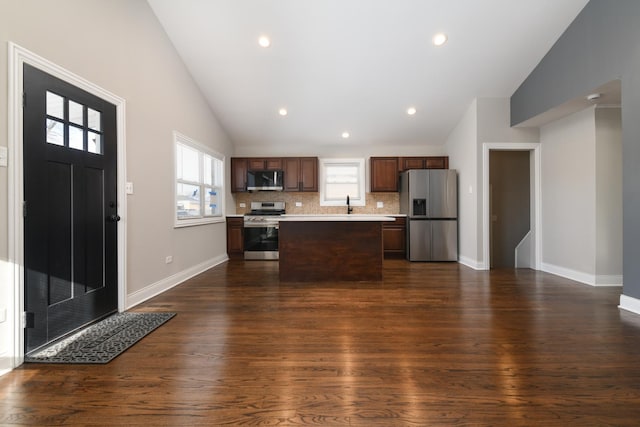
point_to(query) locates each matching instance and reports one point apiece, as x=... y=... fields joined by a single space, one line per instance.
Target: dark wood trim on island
x=322 y=250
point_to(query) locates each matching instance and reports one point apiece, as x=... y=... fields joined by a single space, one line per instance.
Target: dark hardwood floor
x=434 y=344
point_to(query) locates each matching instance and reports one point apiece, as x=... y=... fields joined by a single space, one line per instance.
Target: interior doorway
x=530 y=249
x=510 y=204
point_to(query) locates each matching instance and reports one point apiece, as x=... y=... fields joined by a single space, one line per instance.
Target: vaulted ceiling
x=357 y=66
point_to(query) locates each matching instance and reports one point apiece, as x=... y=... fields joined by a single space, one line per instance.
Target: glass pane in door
x=55 y=105
x=76 y=138
x=75 y=113
x=55 y=132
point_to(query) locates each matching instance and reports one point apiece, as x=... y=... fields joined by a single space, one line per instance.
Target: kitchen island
x=331 y=247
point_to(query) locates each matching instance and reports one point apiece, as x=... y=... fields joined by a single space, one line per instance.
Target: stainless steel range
x=261 y=230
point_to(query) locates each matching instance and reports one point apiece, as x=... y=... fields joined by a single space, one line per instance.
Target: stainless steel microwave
x=265 y=180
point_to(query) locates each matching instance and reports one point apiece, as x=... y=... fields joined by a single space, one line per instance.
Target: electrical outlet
x=128 y=188
x=380 y=205
x=4 y=156
x=298 y=204
x=168 y=259
x=3 y=314
x=243 y=205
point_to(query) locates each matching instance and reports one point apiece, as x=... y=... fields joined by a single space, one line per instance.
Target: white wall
x=487 y=120
x=462 y=148
x=494 y=125
x=568 y=195
x=608 y=195
x=120 y=46
x=581 y=187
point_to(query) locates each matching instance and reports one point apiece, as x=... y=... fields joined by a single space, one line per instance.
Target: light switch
x=4 y=154
x=298 y=204
x=380 y=205
x=128 y=188
x=3 y=314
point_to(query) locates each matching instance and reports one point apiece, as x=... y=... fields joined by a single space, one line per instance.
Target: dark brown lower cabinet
x=394 y=237
x=235 y=237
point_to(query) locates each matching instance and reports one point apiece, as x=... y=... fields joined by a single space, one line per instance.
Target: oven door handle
x=261 y=225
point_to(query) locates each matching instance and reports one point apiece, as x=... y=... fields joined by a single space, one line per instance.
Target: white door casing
x=18 y=56
x=536 y=218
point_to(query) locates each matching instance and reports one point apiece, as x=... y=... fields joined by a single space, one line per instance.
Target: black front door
x=70 y=155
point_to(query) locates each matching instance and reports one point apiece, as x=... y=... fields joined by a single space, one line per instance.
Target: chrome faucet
x=349 y=208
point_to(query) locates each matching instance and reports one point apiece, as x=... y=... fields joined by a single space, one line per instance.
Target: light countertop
x=343 y=217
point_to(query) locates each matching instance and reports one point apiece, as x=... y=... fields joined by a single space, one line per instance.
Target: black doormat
x=103 y=341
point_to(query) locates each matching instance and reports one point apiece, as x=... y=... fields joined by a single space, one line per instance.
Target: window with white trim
x=199 y=190
x=340 y=178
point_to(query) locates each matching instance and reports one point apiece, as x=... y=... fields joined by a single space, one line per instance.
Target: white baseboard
x=579 y=276
x=630 y=304
x=612 y=280
x=6 y=364
x=472 y=263
x=167 y=283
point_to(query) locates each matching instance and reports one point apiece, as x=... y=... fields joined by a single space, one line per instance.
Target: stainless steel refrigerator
x=429 y=198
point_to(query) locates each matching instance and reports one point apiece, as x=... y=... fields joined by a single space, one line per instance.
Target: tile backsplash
x=311 y=203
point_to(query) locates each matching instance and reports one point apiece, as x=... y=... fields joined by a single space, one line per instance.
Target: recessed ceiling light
x=439 y=39
x=282 y=111
x=411 y=111
x=345 y=135
x=264 y=41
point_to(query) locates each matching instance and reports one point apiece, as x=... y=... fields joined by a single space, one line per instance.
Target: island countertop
x=337 y=217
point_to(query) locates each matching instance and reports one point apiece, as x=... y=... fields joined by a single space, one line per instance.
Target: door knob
x=114 y=218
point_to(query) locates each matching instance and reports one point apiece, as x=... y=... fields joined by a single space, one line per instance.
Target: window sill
x=198 y=221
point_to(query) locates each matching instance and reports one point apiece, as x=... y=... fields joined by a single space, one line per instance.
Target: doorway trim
x=536 y=210
x=18 y=56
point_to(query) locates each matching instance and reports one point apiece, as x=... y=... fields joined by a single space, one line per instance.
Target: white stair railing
x=524 y=252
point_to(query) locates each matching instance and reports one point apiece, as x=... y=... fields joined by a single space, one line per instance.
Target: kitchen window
x=199 y=190
x=340 y=178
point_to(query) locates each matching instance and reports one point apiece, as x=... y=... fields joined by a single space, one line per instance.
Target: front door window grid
x=73 y=125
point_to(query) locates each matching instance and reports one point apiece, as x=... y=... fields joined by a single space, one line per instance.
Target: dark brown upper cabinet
x=384 y=174
x=238 y=174
x=265 y=164
x=300 y=173
x=433 y=162
x=385 y=170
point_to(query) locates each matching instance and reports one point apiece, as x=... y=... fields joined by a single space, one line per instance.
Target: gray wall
x=599 y=46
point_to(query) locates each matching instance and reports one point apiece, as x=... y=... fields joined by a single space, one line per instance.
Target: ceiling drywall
x=356 y=66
